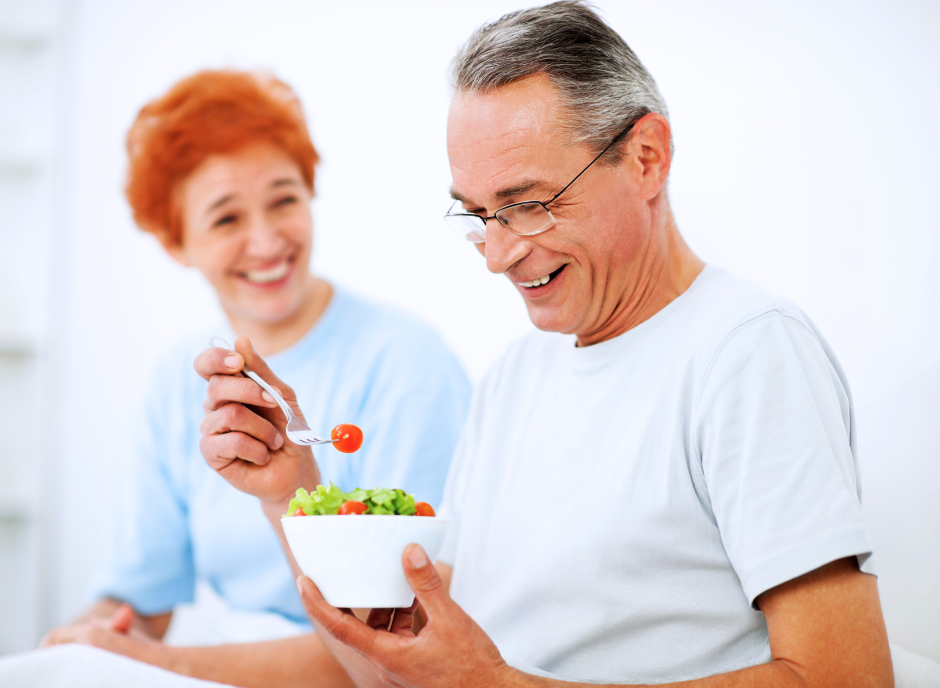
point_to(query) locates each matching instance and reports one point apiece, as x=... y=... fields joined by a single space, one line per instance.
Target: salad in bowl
x=350 y=544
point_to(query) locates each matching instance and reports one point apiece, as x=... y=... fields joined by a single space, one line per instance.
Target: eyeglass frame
x=544 y=205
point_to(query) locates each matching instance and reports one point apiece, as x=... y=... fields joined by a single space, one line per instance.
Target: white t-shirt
x=617 y=508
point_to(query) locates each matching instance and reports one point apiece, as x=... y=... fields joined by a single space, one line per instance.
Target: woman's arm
x=112 y=625
x=300 y=661
x=112 y=615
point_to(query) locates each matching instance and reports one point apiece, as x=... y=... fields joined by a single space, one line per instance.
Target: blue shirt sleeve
x=409 y=442
x=147 y=558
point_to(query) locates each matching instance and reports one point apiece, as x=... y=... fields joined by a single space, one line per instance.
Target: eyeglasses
x=525 y=219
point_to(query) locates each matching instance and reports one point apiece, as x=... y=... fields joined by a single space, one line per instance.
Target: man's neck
x=662 y=271
x=271 y=338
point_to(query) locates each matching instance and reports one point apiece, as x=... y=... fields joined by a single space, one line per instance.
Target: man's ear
x=173 y=246
x=651 y=142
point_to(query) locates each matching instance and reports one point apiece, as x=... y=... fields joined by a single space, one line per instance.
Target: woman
x=222 y=173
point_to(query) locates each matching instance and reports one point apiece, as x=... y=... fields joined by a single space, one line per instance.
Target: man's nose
x=503 y=249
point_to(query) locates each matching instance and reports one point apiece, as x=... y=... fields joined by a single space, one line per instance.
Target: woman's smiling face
x=247 y=227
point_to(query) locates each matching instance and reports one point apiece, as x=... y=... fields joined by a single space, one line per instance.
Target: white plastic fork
x=297 y=431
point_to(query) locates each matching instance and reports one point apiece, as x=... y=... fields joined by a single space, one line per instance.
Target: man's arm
x=825 y=627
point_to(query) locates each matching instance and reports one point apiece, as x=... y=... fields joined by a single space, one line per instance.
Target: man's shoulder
x=723 y=303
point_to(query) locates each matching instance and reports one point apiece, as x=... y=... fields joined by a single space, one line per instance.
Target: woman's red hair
x=208 y=113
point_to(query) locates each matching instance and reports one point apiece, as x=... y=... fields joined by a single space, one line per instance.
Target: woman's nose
x=264 y=238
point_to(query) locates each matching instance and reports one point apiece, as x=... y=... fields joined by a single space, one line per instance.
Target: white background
x=807 y=154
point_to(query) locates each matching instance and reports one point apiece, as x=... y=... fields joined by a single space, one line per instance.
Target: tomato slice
x=348 y=436
x=299 y=512
x=424 y=509
x=352 y=506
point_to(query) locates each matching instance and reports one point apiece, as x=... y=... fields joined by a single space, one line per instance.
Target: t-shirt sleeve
x=147 y=555
x=415 y=408
x=773 y=425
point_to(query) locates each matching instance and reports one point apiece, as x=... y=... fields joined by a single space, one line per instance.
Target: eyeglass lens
x=470 y=227
x=524 y=219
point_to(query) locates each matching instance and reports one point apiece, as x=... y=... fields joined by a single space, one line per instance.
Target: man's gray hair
x=603 y=85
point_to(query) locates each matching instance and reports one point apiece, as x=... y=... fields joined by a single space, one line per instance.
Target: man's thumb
x=424 y=579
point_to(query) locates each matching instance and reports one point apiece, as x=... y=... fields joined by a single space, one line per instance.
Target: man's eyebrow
x=518 y=189
x=508 y=192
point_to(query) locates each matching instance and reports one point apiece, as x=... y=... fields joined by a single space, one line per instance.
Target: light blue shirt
x=180 y=521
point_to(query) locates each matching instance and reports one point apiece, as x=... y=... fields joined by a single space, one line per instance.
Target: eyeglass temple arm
x=616 y=138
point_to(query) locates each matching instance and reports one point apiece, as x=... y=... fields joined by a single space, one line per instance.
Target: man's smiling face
x=509 y=146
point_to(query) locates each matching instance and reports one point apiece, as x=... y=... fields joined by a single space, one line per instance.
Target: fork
x=298 y=432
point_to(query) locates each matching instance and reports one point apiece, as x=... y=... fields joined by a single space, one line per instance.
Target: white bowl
x=355 y=561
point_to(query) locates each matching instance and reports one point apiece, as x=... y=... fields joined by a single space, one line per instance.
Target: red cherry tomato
x=352 y=507
x=424 y=509
x=349 y=436
x=299 y=512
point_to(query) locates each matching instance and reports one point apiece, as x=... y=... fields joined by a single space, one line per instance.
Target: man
x=667 y=494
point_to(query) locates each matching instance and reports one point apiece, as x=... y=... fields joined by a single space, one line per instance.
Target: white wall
x=807 y=160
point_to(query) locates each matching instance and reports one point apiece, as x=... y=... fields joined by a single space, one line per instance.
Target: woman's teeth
x=536 y=282
x=267 y=276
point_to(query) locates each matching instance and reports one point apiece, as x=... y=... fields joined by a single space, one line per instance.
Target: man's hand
x=450 y=648
x=244 y=431
x=116 y=634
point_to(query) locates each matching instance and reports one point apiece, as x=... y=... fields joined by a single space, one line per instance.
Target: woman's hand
x=244 y=431
x=115 y=634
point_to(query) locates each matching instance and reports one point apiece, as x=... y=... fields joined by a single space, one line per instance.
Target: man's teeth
x=267 y=276
x=537 y=282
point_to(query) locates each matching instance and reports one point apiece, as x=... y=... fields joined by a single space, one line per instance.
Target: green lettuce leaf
x=326 y=501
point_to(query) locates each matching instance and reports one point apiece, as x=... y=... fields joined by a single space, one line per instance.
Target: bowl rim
x=437 y=519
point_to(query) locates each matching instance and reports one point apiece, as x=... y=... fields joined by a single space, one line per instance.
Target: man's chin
x=550 y=319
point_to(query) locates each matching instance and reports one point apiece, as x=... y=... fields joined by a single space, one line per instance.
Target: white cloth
x=914 y=671
x=81 y=666
x=617 y=508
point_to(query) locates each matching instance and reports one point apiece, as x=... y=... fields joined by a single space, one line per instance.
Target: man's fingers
x=346 y=628
x=221 y=450
x=224 y=389
x=424 y=580
x=379 y=618
x=216 y=361
x=403 y=622
x=237 y=418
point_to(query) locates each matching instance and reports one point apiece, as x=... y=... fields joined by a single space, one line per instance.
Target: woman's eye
x=287 y=200
x=225 y=220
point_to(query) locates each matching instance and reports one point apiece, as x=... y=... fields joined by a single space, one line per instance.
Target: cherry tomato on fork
x=424 y=509
x=349 y=438
x=352 y=507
